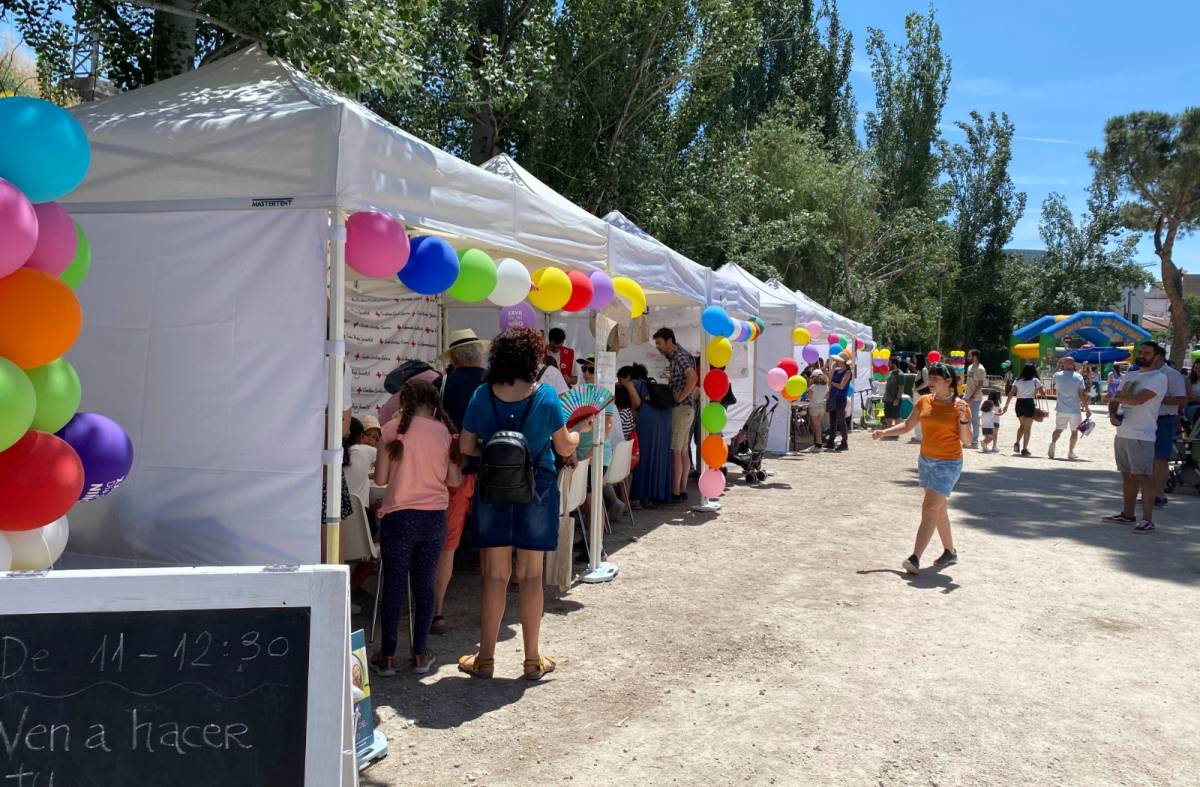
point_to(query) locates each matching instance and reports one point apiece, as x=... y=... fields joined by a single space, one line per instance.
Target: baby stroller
x=748 y=446
x=1185 y=464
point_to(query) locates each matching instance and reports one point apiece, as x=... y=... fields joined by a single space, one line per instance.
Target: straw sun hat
x=463 y=338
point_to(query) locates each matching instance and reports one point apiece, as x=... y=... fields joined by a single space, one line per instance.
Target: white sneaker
x=1050 y=451
x=1072 y=456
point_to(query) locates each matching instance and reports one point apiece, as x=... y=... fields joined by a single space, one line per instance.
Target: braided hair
x=414 y=395
x=351 y=439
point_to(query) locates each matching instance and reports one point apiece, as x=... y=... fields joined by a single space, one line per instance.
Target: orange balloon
x=40 y=318
x=788 y=397
x=713 y=451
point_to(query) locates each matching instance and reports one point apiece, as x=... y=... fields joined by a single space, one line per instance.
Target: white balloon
x=39 y=548
x=512 y=283
x=5 y=554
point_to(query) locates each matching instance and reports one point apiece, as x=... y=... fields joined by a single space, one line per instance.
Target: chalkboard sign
x=164 y=697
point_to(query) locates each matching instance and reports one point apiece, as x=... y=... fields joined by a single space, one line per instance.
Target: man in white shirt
x=1137 y=425
x=975 y=382
x=1168 y=424
x=1069 y=391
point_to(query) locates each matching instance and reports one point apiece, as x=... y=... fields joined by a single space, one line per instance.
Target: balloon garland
x=51 y=455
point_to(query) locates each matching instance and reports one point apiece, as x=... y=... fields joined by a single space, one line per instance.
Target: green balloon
x=57 y=388
x=713 y=417
x=17 y=403
x=476 y=276
x=77 y=271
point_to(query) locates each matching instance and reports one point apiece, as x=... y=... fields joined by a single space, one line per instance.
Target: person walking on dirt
x=1026 y=389
x=976 y=382
x=945 y=421
x=1070 y=397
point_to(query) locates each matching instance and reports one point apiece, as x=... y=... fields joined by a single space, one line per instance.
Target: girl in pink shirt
x=417 y=462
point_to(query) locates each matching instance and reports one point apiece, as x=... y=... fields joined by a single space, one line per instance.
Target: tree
x=1088 y=262
x=911 y=82
x=1155 y=157
x=986 y=208
x=1191 y=304
x=351 y=45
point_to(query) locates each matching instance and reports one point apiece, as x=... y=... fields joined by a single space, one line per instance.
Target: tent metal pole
x=336 y=351
x=599 y=570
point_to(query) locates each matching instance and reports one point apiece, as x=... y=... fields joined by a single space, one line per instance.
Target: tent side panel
x=204 y=337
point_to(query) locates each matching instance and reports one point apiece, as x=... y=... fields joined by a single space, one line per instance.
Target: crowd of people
x=1150 y=403
x=427 y=467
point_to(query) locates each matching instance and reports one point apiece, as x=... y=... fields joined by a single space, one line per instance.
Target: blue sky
x=1060 y=69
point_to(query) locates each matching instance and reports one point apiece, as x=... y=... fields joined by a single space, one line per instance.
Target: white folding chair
x=576 y=496
x=619 y=472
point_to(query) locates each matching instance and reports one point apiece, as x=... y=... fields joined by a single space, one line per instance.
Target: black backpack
x=401 y=374
x=505 y=467
x=661 y=395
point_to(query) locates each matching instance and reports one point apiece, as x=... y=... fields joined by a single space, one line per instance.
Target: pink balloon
x=933 y=356
x=18 y=228
x=776 y=379
x=56 y=239
x=520 y=316
x=376 y=244
x=835 y=339
x=814 y=330
x=712 y=483
x=602 y=290
x=860 y=344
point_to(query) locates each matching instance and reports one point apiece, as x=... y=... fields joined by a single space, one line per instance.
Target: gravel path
x=780 y=643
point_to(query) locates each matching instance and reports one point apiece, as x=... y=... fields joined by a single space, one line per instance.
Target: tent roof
x=806 y=308
x=637 y=254
x=250 y=132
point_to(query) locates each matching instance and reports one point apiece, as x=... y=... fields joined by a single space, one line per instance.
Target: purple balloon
x=602 y=290
x=105 y=450
x=810 y=354
x=520 y=316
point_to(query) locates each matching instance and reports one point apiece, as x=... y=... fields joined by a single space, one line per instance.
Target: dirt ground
x=780 y=643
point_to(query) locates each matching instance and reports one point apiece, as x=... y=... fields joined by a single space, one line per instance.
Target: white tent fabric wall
x=204 y=339
x=381 y=333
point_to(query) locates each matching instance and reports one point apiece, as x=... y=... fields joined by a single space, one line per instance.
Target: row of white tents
x=215 y=205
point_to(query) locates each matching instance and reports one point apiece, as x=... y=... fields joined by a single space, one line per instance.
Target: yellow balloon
x=720 y=352
x=885 y=353
x=800 y=336
x=551 y=289
x=631 y=291
x=796 y=386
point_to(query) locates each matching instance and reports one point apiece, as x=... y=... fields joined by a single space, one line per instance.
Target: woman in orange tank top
x=946 y=427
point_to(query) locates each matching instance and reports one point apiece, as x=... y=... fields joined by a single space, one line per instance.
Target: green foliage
x=986 y=208
x=911 y=82
x=1191 y=304
x=1155 y=159
x=1088 y=262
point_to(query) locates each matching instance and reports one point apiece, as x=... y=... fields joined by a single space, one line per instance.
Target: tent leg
x=598 y=570
x=336 y=351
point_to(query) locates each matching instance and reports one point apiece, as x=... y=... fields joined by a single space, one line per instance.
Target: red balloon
x=790 y=366
x=933 y=356
x=716 y=384
x=40 y=479
x=581 y=292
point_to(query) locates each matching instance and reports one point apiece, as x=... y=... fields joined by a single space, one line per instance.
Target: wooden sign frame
x=323 y=589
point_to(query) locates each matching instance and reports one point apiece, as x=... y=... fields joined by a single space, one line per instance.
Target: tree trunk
x=174 y=49
x=484 y=136
x=1172 y=282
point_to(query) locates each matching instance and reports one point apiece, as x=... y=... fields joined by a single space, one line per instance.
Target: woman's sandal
x=476 y=666
x=542 y=666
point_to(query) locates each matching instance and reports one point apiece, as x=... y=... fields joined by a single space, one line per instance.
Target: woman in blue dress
x=652 y=476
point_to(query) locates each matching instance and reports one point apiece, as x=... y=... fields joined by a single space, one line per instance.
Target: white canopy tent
x=215 y=204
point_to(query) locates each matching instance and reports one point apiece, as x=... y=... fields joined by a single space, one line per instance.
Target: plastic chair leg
x=375 y=606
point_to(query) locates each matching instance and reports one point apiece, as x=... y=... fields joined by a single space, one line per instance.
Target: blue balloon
x=834 y=349
x=43 y=150
x=432 y=266
x=716 y=322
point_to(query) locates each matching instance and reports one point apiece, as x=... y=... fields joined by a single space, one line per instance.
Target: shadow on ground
x=1066 y=502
